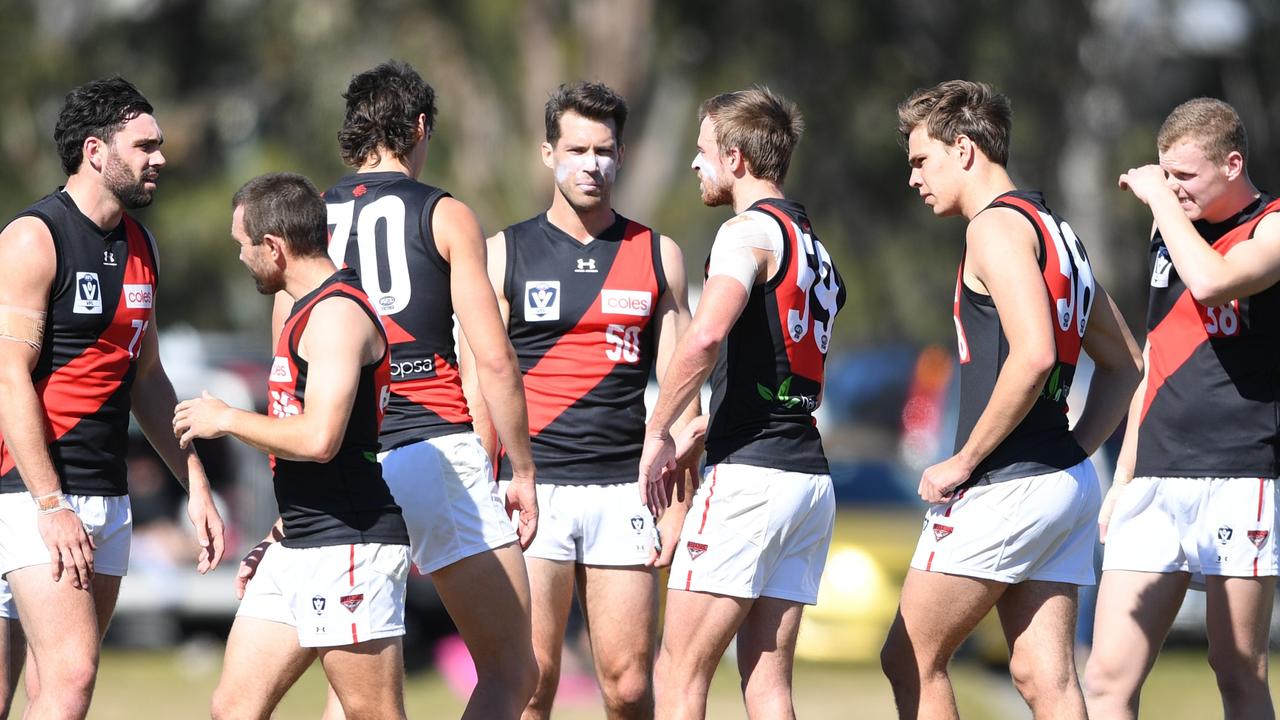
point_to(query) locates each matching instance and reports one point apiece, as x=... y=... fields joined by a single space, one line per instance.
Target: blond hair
x=763 y=125
x=1210 y=123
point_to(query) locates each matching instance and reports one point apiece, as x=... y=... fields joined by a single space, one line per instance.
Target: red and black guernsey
x=768 y=379
x=581 y=325
x=344 y=500
x=100 y=305
x=1042 y=442
x=1212 y=403
x=380 y=226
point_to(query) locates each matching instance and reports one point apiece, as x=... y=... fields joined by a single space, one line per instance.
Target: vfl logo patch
x=88 y=294
x=696 y=549
x=1224 y=534
x=280 y=371
x=1160 y=272
x=138 y=295
x=626 y=302
x=317 y=604
x=1258 y=537
x=351 y=602
x=941 y=531
x=637 y=523
x=541 y=300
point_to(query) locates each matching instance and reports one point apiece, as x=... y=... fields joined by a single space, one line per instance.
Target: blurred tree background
x=243 y=87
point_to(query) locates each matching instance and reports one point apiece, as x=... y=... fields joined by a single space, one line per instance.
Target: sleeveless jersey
x=1212 y=402
x=100 y=305
x=581 y=328
x=344 y=500
x=768 y=378
x=380 y=226
x=1042 y=442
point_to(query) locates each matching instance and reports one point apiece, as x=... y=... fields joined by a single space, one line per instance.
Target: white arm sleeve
x=731 y=253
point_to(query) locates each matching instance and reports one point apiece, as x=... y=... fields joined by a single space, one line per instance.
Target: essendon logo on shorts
x=1258 y=537
x=696 y=549
x=351 y=602
x=941 y=531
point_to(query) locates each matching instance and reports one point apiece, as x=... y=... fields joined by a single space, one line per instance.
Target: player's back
x=380 y=225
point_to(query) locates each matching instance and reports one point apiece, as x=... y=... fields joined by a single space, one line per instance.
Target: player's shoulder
x=999 y=222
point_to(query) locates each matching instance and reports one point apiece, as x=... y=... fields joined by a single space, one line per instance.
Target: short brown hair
x=1210 y=123
x=383 y=105
x=961 y=107
x=763 y=125
x=287 y=205
x=591 y=100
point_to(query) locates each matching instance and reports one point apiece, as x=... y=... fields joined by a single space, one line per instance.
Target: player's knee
x=1237 y=672
x=1042 y=680
x=71 y=682
x=547 y=680
x=898 y=660
x=628 y=690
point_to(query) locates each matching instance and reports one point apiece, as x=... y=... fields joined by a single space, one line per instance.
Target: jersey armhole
x=428 y=234
x=785 y=262
x=509 y=270
x=659 y=270
x=1041 y=251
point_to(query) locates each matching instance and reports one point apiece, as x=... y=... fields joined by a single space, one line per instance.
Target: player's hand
x=202 y=417
x=522 y=497
x=70 y=547
x=667 y=536
x=657 y=471
x=1145 y=182
x=940 y=481
x=249 y=565
x=689 y=447
x=1122 y=479
x=210 y=531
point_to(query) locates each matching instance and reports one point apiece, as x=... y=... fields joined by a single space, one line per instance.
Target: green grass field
x=177 y=684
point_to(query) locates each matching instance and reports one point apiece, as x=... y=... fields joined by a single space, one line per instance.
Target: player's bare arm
x=1213 y=279
x=495 y=370
x=1128 y=457
x=153 y=399
x=673 y=318
x=496 y=252
x=334 y=359
x=1117 y=371
x=26 y=250
x=723 y=300
x=1001 y=260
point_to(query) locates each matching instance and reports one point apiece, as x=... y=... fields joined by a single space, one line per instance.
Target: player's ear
x=965 y=151
x=94 y=151
x=546 y=156
x=1233 y=165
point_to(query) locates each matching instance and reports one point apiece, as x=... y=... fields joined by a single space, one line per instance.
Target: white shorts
x=1203 y=526
x=1042 y=528
x=334 y=595
x=8 y=608
x=108 y=520
x=755 y=531
x=446 y=489
x=592 y=524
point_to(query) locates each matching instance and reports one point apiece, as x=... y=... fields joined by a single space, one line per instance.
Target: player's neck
x=982 y=186
x=99 y=204
x=581 y=225
x=748 y=190
x=385 y=161
x=306 y=274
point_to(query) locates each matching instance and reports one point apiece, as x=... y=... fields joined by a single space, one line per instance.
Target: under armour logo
x=108 y=257
x=586 y=265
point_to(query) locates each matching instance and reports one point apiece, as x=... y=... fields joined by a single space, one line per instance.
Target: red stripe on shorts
x=688 y=580
x=351 y=570
x=707 y=506
x=354 y=637
x=1262 y=485
x=953 y=503
x=928 y=567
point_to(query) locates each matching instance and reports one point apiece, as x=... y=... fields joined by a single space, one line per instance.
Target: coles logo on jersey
x=626 y=302
x=541 y=300
x=138 y=296
x=280 y=371
x=88 y=294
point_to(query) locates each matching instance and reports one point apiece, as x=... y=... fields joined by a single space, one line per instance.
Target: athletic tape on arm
x=22 y=325
x=731 y=253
